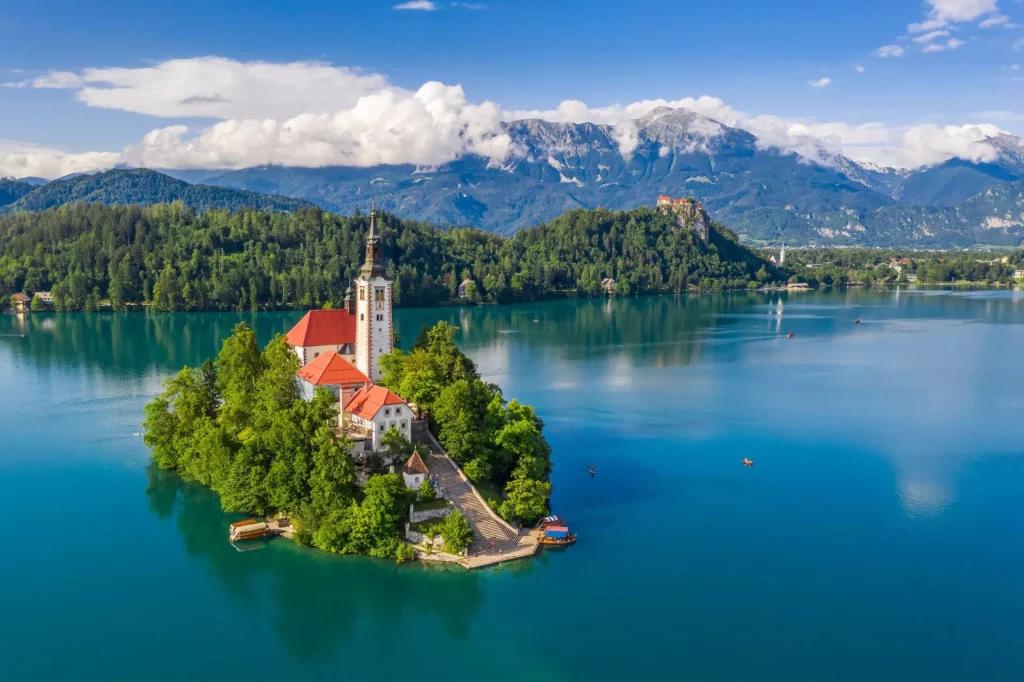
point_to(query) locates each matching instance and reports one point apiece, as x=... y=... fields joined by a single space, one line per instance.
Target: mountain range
x=133 y=186
x=766 y=195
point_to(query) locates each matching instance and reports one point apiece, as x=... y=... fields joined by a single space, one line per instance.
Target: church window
x=398 y=410
x=360 y=316
x=387 y=411
x=362 y=294
x=403 y=423
x=378 y=294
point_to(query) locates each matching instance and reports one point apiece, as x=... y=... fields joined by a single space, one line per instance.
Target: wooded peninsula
x=173 y=258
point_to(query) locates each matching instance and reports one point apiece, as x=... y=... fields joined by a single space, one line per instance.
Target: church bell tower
x=372 y=306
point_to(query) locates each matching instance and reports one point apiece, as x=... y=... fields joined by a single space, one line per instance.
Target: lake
x=878 y=536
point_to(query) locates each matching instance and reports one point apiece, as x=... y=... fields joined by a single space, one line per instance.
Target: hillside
x=11 y=190
x=183 y=260
x=141 y=186
x=994 y=217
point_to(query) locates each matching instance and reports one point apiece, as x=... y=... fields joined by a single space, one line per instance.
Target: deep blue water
x=878 y=536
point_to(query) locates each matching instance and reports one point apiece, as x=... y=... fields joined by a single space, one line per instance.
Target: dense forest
x=176 y=258
x=11 y=190
x=139 y=186
x=885 y=266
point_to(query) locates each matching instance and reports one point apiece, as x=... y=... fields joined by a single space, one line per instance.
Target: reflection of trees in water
x=318 y=598
x=120 y=343
x=658 y=330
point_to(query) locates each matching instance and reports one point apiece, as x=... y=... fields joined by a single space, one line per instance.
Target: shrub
x=456 y=532
x=404 y=552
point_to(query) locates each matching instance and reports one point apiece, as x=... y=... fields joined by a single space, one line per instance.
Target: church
x=340 y=350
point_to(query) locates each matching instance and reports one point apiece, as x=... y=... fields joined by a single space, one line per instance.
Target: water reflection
x=319 y=599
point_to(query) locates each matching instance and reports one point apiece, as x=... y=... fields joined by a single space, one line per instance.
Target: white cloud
x=995 y=20
x=469 y=5
x=314 y=114
x=945 y=12
x=214 y=87
x=21 y=160
x=950 y=44
x=423 y=5
x=889 y=51
x=930 y=36
x=820 y=83
x=858 y=68
x=60 y=80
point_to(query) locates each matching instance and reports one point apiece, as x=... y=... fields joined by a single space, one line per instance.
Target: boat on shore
x=557 y=536
x=250 y=529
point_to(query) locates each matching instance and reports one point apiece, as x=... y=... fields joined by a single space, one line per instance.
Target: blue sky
x=757 y=57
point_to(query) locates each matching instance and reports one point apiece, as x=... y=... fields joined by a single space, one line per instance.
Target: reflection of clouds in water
x=492 y=360
x=620 y=372
x=921 y=497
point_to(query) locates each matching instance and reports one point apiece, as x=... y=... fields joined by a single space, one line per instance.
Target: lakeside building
x=371 y=412
x=341 y=349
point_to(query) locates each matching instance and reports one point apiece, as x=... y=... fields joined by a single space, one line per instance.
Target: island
x=355 y=446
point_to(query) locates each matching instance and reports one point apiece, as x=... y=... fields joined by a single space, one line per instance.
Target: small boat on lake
x=250 y=529
x=557 y=536
x=747 y=462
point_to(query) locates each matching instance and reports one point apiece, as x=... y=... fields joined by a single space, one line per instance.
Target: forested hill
x=11 y=190
x=141 y=186
x=180 y=259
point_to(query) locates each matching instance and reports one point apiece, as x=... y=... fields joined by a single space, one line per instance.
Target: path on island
x=494 y=540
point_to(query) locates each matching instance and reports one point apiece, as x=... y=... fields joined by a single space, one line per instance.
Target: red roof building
x=324 y=328
x=368 y=401
x=321 y=330
x=330 y=369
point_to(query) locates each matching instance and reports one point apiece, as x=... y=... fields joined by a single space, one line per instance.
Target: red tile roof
x=20 y=297
x=415 y=465
x=367 y=401
x=324 y=328
x=330 y=369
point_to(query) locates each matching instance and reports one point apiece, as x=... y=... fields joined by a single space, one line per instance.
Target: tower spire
x=373 y=266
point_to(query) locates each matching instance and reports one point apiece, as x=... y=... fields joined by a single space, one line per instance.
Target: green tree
x=456 y=532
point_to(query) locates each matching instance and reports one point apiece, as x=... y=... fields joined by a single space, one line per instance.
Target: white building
x=372 y=307
x=414 y=472
x=372 y=411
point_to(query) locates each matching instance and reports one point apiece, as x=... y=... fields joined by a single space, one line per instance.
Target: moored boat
x=557 y=535
x=250 y=529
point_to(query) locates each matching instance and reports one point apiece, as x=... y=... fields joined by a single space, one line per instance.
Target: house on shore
x=21 y=303
x=608 y=285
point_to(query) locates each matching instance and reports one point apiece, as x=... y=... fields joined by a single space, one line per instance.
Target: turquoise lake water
x=878 y=536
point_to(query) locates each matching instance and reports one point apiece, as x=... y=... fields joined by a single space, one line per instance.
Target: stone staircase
x=487 y=528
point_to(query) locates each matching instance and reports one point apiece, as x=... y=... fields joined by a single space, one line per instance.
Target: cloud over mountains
x=317 y=114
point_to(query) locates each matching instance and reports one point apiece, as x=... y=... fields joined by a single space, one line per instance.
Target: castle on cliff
x=690 y=214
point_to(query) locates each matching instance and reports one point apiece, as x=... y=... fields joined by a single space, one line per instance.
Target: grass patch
x=490 y=491
x=430 y=527
x=439 y=503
